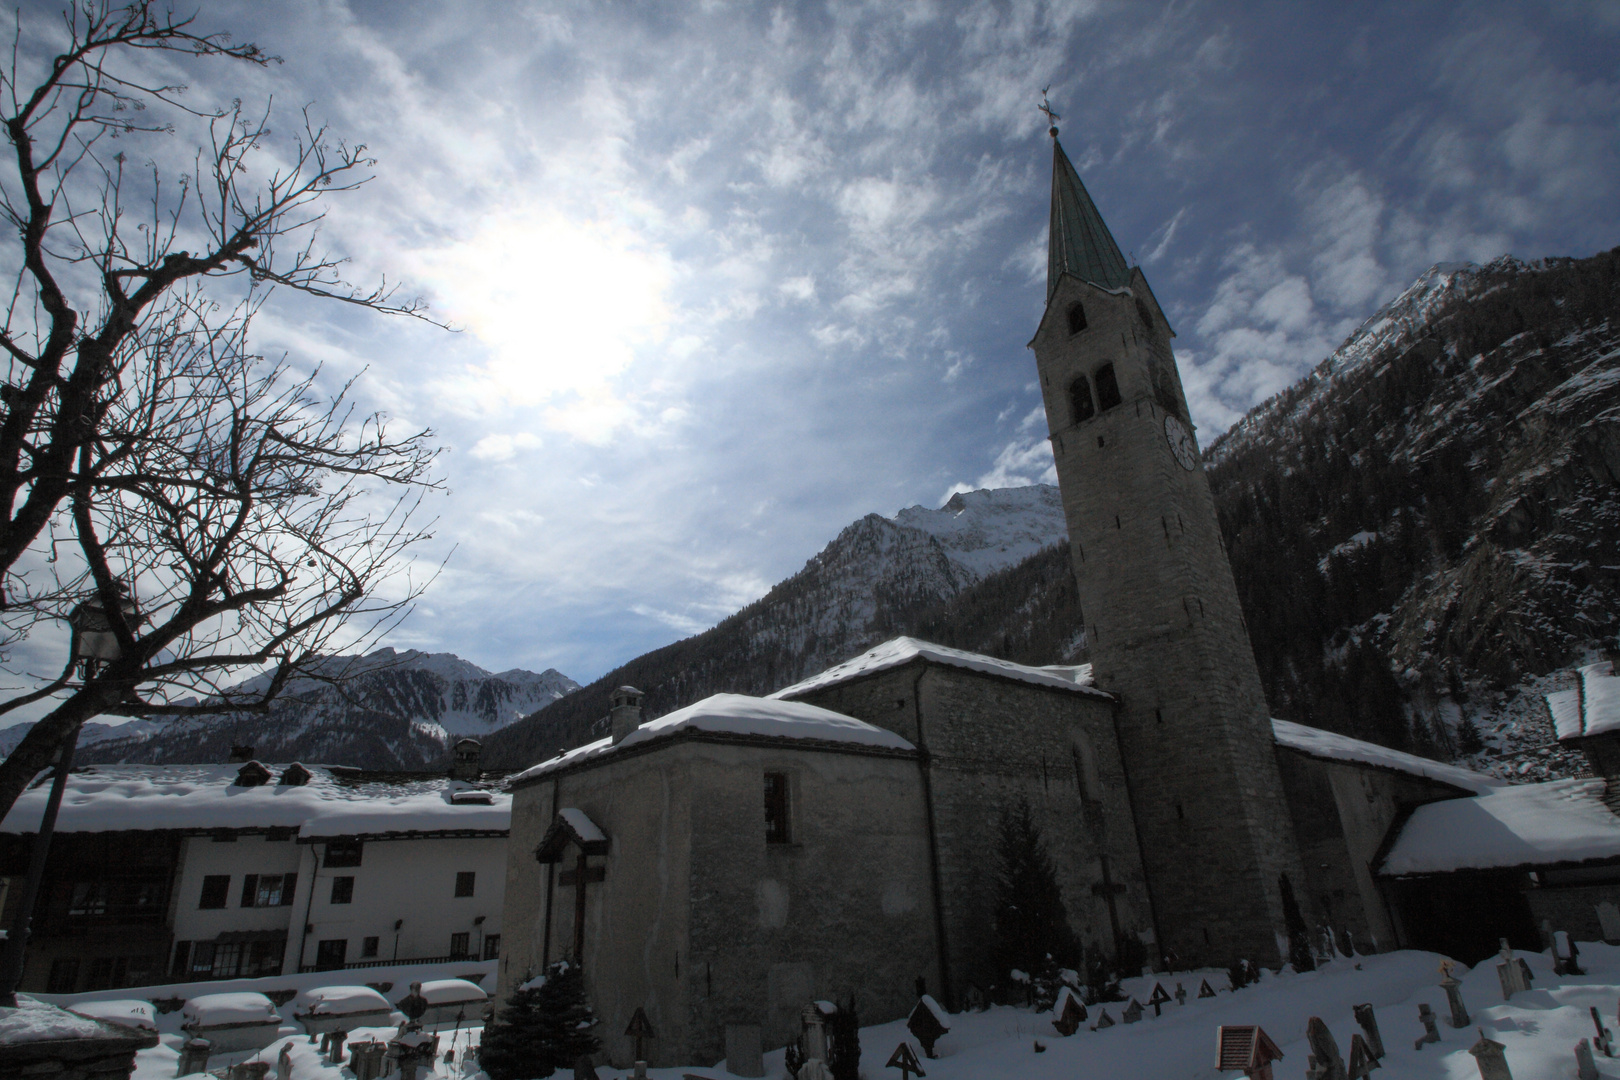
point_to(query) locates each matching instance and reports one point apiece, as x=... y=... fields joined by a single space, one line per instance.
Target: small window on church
x=1080 y=403
x=776 y=808
x=1143 y=313
x=1107 y=387
x=1077 y=318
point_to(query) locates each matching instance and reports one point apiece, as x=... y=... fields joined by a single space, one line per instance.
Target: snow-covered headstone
x=194 y=1056
x=1103 y=1021
x=1431 y=1030
x=1513 y=972
x=367 y=1059
x=928 y=1023
x=1565 y=955
x=1609 y=920
x=1491 y=1057
x=1369 y=1025
x=1068 y=1013
x=1245 y=1047
x=1133 y=1012
x=1325 y=1064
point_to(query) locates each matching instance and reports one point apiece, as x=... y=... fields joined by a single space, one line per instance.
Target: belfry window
x=776 y=808
x=1077 y=318
x=1107 y=387
x=1080 y=403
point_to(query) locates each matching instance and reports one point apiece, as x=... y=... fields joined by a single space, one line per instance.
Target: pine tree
x=1469 y=740
x=844 y=1049
x=544 y=1026
x=1299 y=936
x=1031 y=927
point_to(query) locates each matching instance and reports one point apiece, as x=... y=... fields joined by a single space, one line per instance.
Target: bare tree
x=198 y=510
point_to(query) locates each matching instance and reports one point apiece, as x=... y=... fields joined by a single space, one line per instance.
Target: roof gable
x=897 y=652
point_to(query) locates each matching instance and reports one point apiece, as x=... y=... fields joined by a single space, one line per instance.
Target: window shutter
x=250 y=889
x=289 y=885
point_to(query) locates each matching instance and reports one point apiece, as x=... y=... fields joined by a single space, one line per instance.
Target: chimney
x=466 y=765
x=239 y=754
x=626 y=714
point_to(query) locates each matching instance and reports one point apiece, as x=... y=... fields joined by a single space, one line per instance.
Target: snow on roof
x=452 y=991
x=903 y=650
x=1335 y=747
x=1561 y=821
x=339 y=1001
x=128 y=1012
x=240 y=1007
x=737 y=714
x=583 y=826
x=1591 y=708
x=35 y=1021
x=109 y=798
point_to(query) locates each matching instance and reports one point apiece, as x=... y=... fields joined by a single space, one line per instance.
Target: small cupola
x=626 y=714
x=252 y=775
x=466 y=763
x=294 y=775
x=239 y=754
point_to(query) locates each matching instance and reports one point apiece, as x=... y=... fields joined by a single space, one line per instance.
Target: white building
x=252 y=869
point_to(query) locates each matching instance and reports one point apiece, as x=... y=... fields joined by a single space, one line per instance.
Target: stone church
x=721 y=866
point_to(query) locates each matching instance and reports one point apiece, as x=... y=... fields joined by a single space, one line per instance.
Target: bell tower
x=1161 y=611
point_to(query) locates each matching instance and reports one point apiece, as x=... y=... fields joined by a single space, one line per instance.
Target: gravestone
x=1181 y=994
x=1453 y=989
x=1157 y=999
x=815 y=1034
x=927 y=1023
x=334 y=1053
x=284 y=1068
x=248 y=1070
x=1068 y=1013
x=743 y=1050
x=640 y=1029
x=1491 y=1057
x=1431 y=1031
x=584 y=1069
x=1325 y=1063
x=1204 y=989
x=1565 y=955
x=1133 y=1012
x=1513 y=973
x=413 y=1005
x=1362 y=1060
x=194 y=1056
x=1369 y=1025
x=906 y=1061
x=367 y=1059
x=1245 y=1047
x=1103 y=1021
x=1604 y=1040
x=1609 y=921
x=1585 y=1067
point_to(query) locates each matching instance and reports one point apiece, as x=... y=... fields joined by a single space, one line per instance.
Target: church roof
x=735 y=714
x=1335 y=747
x=903 y=650
x=1079 y=243
x=1520 y=825
x=1592 y=707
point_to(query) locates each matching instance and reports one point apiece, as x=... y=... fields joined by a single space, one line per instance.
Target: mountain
x=881 y=576
x=1425 y=534
x=1425 y=531
x=90 y=734
x=392 y=710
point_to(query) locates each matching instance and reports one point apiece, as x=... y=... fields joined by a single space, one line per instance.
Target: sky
x=725 y=277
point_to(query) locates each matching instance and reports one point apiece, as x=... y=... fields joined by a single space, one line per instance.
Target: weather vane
x=1051 y=117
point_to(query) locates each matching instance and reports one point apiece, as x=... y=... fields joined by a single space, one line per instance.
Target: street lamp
x=94 y=646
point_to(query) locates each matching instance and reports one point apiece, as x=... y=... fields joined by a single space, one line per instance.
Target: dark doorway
x=329 y=954
x=1465 y=915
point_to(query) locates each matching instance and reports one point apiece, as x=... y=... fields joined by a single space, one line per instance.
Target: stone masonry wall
x=992 y=741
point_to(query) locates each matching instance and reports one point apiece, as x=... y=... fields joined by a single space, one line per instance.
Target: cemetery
x=1407 y=1014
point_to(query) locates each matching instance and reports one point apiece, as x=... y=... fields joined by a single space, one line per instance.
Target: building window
x=368 y=948
x=1107 y=387
x=214 y=890
x=182 y=960
x=202 y=958
x=343 y=890
x=1080 y=403
x=1077 y=318
x=465 y=880
x=492 y=946
x=64 y=978
x=268 y=890
x=227 y=960
x=776 y=808
x=344 y=853
x=329 y=955
x=458 y=946
x=1143 y=313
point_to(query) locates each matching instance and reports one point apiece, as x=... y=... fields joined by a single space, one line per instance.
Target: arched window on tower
x=1080 y=403
x=1077 y=318
x=1107 y=387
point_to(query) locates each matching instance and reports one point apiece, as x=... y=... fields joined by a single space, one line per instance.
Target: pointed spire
x=1080 y=243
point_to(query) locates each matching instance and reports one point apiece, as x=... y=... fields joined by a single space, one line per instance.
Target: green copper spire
x=1080 y=243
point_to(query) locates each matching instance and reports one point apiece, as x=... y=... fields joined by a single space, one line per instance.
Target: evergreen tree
x=844 y=1046
x=1299 y=936
x=1031 y=928
x=544 y=1026
x=1469 y=740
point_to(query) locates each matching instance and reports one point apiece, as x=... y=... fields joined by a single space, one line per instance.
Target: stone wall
x=992 y=741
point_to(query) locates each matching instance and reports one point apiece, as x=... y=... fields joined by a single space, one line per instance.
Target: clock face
x=1181 y=443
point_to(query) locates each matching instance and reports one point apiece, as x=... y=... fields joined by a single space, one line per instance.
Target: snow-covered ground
x=1539 y=1028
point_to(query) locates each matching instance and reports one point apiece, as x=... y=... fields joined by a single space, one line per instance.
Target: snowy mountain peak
x=984 y=531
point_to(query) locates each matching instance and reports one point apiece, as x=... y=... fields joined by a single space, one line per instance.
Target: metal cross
x=1051 y=117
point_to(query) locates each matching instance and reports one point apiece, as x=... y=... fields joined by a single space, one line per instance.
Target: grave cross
x=1158 y=998
x=1369 y=1024
x=1431 y=1033
x=641 y=1030
x=1604 y=1039
x=1362 y=1061
x=905 y=1059
x=581 y=875
x=1204 y=989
